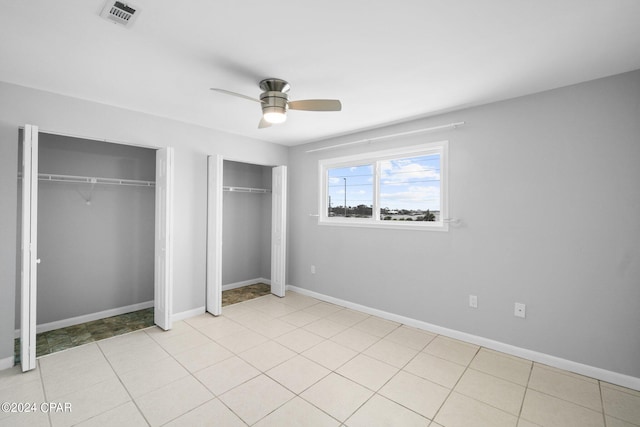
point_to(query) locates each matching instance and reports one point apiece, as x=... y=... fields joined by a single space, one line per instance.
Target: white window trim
x=440 y=147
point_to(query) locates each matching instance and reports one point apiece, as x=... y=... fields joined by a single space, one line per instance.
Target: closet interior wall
x=246 y=234
x=95 y=241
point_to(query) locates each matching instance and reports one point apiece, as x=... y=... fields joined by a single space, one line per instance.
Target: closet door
x=279 y=230
x=214 y=234
x=163 y=278
x=29 y=273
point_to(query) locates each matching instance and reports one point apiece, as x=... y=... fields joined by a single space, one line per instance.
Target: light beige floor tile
x=462 y=411
x=32 y=419
x=329 y=354
x=202 y=320
x=173 y=400
x=256 y=398
x=12 y=377
x=550 y=411
x=267 y=355
x=337 y=396
x=389 y=352
x=229 y=373
x=124 y=343
x=234 y=310
x=567 y=387
x=89 y=402
x=434 y=424
x=417 y=394
x=123 y=415
x=31 y=391
x=299 y=340
x=565 y=372
x=299 y=318
x=347 y=317
x=297 y=412
x=381 y=412
x=298 y=373
x=69 y=359
x=325 y=328
x=299 y=301
x=410 y=337
x=241 y=341
x=152 y=376
x=501 y=365
x=494 y=391
x=137 y=357
x=276 y=309
x=435 y=369
x=251 y=318
x=183 y=342
x=367 y=371
x=59 y=382
x=376 y=326
x=525 y=423
x=203 y=356
x=221 y=328
x=622 y=404
x=273 y=328
x=323 y=309
x=620 y=388
x=212 y=413
x=453 y=350
x=177 y=328
x=355 y=339
x=614 y=422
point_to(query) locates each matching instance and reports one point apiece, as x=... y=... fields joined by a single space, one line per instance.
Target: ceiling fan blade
x=316 y=105
x=228 y=92
x=263 y=124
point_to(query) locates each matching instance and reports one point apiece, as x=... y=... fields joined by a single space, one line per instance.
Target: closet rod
x=245 y=189
x=94 y=180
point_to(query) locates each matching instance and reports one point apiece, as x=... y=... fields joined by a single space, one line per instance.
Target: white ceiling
x=386 y=61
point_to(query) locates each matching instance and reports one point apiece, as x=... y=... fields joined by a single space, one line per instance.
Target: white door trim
x=163 y=278
x=214 y=234
x=29 y=271
x=279 y=230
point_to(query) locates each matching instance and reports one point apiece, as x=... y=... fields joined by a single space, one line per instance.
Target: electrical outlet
x=473 y=301
x=313 y=269
x=520 y=310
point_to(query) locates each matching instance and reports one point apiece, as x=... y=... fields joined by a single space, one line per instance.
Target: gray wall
x=547 y=188
x=64 y=115
x=246 y=234
x=95 y=256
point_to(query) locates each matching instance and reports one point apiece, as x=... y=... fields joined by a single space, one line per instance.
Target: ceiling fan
x=275 y=102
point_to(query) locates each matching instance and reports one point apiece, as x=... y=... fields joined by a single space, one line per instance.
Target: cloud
x=405 y=171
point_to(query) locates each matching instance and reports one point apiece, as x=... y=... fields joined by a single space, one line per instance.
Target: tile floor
x=297 y=361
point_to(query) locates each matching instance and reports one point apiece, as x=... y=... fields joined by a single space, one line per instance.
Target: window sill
x=395 y=225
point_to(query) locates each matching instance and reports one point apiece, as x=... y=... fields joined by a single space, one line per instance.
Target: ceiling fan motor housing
x=274 y=98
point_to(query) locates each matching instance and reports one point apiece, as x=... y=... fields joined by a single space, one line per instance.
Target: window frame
x=374 y=158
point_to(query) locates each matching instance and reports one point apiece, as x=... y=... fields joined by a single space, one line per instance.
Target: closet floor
x=73 y=336
x=233 y=296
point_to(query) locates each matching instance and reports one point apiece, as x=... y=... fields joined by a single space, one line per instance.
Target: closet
x=246 y=229
x=95 y=228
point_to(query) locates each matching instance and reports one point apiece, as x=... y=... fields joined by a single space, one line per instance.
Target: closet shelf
x=94 y=180
x=245 y=189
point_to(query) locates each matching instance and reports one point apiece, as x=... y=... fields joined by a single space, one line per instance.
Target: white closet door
x=163 y=279
x=29 y=273
x=279 y=230
x=214 y=234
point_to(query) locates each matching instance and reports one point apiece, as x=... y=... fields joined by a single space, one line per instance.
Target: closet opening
x=246 y=242
x=96 y=228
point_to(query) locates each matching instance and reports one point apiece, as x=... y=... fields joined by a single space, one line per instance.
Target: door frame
x=29 y=239
x=215 y=169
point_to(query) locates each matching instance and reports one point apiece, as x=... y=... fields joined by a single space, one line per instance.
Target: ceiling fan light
x=274 y=115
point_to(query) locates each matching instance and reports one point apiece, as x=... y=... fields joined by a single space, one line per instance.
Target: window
x=399 y=188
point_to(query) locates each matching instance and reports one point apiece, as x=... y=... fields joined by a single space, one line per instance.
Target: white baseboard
x=187 y=314
x=7 y=363
x=246 y=283
x=88 y=317
x=546 y=359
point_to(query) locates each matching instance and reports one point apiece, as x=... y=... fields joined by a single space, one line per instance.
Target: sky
x=410 y=183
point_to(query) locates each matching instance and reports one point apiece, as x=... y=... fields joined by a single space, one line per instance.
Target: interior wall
x=546 y=188
x=246 y=233
x=65 y=115
x=96 y=242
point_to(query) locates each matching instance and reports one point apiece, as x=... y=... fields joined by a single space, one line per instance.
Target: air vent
x=120 y=13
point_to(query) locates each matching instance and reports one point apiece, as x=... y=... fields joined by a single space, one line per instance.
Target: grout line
x=604 y=417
